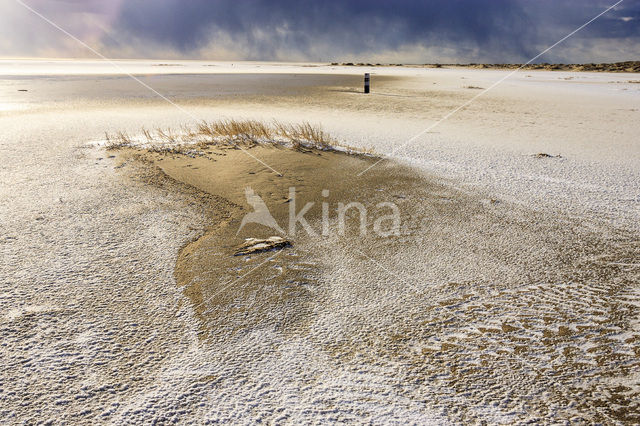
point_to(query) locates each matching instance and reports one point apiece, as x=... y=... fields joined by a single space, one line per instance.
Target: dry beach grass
x=225 y=133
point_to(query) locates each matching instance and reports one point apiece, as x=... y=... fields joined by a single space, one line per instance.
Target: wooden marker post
x=366 y=82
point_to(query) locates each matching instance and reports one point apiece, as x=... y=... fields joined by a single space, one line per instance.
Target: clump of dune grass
x=304 y=135
x=119 y=140
x=230 y=134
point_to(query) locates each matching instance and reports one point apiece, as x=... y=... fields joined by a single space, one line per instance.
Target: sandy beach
x=509 y=293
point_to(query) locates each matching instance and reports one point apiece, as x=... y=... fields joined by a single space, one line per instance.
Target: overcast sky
x=407 y=31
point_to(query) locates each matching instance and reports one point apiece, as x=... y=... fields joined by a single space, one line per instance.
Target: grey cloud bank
x=375 y=30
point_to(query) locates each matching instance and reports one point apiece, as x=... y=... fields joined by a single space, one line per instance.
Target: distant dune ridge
x=628 y=66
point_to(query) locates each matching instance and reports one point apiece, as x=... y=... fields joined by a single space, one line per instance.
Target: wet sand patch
x=272 y=288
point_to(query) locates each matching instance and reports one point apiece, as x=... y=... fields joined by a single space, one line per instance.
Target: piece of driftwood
x=255 y=245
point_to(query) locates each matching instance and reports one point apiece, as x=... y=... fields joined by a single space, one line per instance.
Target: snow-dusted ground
x=443 y=326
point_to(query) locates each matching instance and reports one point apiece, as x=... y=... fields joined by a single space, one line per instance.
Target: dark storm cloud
x=420 y=31
x=488 y=30
x=564 y=16
x=348 y=26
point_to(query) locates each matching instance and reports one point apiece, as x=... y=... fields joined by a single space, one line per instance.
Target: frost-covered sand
x=511 y=295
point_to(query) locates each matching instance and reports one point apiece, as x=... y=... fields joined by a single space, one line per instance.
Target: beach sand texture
x=510 y=294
